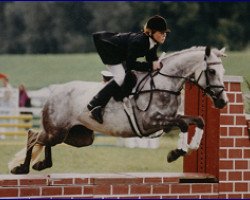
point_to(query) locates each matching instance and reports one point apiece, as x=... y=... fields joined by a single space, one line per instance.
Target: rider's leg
x=118 y=73
x=99 y=101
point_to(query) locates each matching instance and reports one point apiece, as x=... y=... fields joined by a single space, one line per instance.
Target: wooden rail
x=18 y=117
x=15 y=125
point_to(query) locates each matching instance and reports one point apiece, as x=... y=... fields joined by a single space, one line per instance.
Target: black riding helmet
x=157 y=23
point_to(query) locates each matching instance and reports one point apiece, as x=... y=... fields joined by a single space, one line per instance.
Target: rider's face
x=160 y=36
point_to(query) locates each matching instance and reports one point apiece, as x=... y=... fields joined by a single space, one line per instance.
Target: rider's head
x=156 y=28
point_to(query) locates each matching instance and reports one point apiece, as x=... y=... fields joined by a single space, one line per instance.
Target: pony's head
x=210 y=76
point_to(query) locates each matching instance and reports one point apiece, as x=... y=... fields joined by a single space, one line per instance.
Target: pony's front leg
x=183 y=123
x=196 y=139
x=182 y=147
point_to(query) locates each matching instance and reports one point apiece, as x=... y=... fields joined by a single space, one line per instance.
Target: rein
x=208 y=90
x=139 y=91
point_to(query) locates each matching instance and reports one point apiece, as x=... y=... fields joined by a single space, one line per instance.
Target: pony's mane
x=194 y=48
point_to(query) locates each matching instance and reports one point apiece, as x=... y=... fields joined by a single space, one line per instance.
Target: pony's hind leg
x=77 y=136
x=46 y=163
x=24 y=168
x=49 y=139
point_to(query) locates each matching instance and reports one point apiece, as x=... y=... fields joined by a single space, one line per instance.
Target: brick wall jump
x=124 y=185
x=234 y=152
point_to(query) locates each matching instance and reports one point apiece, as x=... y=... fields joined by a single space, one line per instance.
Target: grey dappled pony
x=153 y=103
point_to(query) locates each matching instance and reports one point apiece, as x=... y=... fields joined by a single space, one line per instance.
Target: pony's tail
x=21 y=155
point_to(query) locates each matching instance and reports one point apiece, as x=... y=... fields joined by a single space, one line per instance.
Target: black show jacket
x=116 y=48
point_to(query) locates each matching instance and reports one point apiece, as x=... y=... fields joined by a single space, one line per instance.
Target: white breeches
x=118 y=73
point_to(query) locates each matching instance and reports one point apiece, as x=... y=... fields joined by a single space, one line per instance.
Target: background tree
x=67 y=27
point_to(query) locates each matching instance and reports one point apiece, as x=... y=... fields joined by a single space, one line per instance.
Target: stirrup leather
x=97 y=114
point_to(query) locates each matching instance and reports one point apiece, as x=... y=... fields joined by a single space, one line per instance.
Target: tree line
x=67 y=27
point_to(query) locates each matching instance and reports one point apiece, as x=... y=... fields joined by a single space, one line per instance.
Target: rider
x=119 y=51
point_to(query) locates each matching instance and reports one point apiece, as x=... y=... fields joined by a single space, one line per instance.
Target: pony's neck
x=184 y=64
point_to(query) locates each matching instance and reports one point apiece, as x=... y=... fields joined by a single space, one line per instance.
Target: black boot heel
x=90 y=107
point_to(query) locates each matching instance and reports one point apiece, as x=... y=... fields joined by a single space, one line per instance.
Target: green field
x=37 y=71
x=103 y=156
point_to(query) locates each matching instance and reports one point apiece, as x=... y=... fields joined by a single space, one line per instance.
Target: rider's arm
x=136 y=50
x=151 y=56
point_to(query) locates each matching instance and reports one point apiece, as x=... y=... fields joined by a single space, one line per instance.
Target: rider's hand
x=156 y=65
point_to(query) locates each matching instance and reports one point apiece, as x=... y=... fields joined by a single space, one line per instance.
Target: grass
x=103 y=156
x=237 y=64
x=37 y=71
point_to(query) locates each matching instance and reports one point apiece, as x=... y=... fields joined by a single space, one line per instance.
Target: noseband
x=209 y=87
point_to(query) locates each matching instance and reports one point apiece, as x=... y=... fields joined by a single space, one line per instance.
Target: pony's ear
x=207 y=51
x=222 y=52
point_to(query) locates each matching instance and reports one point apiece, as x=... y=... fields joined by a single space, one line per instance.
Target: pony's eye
x=211 y=71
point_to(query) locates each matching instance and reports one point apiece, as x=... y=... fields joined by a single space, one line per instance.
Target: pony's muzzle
x=220 y=103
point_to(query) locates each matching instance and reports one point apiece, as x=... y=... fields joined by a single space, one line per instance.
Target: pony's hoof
x=41 y=165
x=22 y=169
x=175 y=154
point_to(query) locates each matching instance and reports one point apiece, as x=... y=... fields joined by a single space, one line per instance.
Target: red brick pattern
x=129 y=185
x=234 y=147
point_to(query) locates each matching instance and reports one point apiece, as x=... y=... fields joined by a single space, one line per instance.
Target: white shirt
x=152 y=43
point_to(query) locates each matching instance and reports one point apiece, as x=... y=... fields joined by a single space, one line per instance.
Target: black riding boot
x=99 y=101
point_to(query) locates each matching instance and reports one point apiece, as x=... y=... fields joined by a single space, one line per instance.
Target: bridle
x=208 y=90
x=209 y=87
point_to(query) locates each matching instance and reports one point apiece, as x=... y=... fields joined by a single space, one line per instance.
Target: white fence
x=12 y=121
x=8 y=106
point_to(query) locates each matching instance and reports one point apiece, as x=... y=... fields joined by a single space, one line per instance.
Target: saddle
x=129 y=106
x=127 y=87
